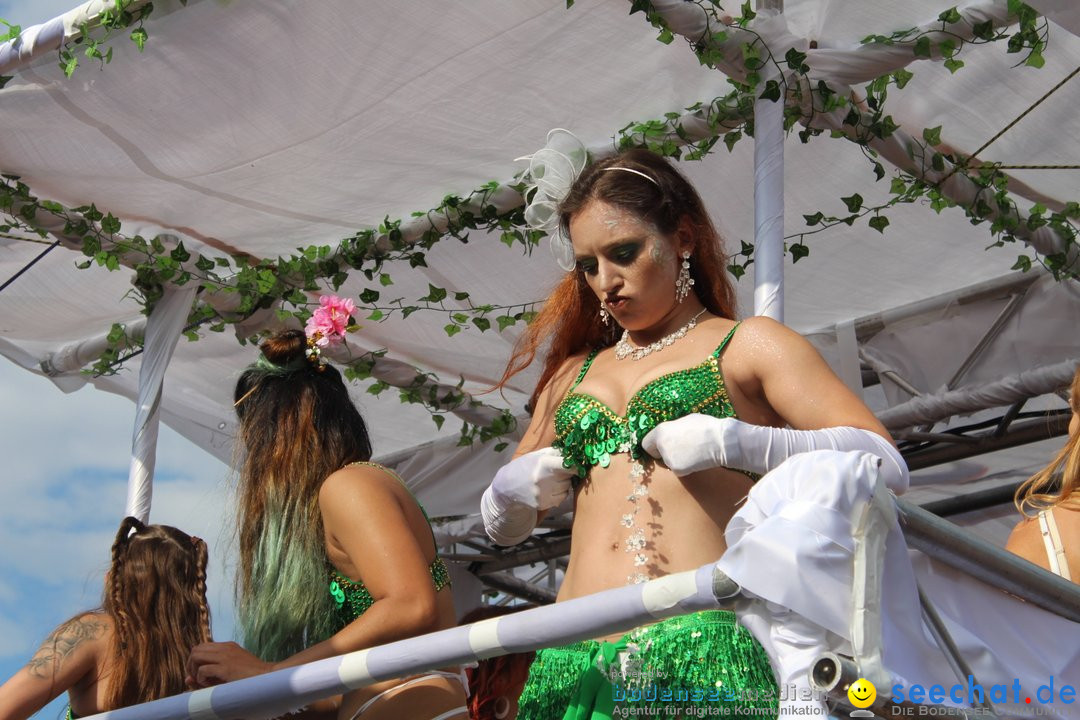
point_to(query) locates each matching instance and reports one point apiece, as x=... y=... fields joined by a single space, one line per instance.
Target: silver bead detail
x=683 y=282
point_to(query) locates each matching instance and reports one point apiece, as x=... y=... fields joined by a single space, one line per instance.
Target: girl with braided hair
x=133 y=649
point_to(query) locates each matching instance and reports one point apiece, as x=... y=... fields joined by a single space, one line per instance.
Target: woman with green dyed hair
x=336 y=555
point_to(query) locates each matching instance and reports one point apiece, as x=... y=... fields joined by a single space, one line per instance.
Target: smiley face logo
x=862 y=693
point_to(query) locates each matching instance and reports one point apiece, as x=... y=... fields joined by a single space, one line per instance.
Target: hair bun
x=285 y=347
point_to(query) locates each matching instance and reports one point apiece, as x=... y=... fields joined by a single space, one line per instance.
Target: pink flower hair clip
x=327 y=326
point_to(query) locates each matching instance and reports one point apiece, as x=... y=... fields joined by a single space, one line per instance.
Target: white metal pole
x=769 y=197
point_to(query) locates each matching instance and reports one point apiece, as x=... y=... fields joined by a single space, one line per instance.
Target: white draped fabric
x=162 y=331
x=249 y=128
x=258 y=128
x=795 y=550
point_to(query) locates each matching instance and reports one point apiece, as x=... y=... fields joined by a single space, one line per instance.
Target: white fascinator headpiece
x=552 y=170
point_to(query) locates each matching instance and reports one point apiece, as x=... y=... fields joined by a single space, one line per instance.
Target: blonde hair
x=1037 y=492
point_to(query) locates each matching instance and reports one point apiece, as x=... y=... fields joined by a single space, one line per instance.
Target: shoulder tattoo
x=62 y=642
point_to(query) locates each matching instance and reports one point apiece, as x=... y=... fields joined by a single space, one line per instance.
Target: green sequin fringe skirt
x=677 y=668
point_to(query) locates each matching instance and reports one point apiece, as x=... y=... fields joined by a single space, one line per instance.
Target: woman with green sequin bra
x=656 y=410
x=134 y=648
x=336 y=555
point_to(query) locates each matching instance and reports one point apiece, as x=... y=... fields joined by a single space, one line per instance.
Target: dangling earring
x=604 y=315
x=683 y=281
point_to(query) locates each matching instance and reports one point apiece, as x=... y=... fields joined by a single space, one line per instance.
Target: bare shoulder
x=566 y=374
x=761 y=345
x=561 y=382
x=760 y=330
x=358 y=481
x=1026 y=541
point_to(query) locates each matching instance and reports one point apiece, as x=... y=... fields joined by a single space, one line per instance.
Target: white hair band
x=632 y=170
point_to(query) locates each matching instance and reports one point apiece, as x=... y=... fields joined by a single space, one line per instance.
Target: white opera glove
x=532 y=483
x=698 y=442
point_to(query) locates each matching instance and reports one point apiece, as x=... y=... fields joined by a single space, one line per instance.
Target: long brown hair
x=569 y=321
x=297 y=426
x=156 y=595
x=1036 y=493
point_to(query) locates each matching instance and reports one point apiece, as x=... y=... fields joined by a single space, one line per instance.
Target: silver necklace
x=624 y=349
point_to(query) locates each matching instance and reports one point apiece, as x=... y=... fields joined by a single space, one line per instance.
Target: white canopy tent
x=253 y=129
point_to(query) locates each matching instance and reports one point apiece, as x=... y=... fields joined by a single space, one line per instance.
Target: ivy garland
x=235 y=289
x=96 y=36
x=864 y=124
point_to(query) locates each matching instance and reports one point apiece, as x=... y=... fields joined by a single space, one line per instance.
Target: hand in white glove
x=532 y=483
x=698 y=442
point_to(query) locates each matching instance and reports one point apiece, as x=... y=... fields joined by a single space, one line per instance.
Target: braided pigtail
x=202 y=557
x=114 y=606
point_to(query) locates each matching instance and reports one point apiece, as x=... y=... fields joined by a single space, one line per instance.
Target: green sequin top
x=352 y=598
x=588 y=432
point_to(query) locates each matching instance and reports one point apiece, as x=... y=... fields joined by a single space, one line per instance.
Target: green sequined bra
x=588 y=432
x=352 y=598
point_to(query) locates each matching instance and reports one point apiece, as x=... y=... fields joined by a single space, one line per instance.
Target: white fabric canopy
x=257 y=128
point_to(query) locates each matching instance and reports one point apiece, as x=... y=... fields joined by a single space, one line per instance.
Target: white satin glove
x=698 y=442
x=532 y=483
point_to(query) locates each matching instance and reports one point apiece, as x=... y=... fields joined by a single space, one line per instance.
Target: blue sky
x=64 y=486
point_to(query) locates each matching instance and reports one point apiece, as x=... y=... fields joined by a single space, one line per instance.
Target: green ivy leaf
x=179 y=253
x=385 y=279
x=771 y=91
x=922 y=47
x=1022 y=263
x=68 y=63
x=853 y=202
x=505 y=321
x=932 y=135
x=435 y=294
x=375 y=315
x=369 y=296
x=812 y=220
x=952 y=65
x=439 y=419
x=902 y=77
x=138 y=36
x=950 y=16
x=482 y=323
x=796 y=60
x=879 y=223
x=798 y=252
x=110 y=224
x=1035 y=60
x=452 y=329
